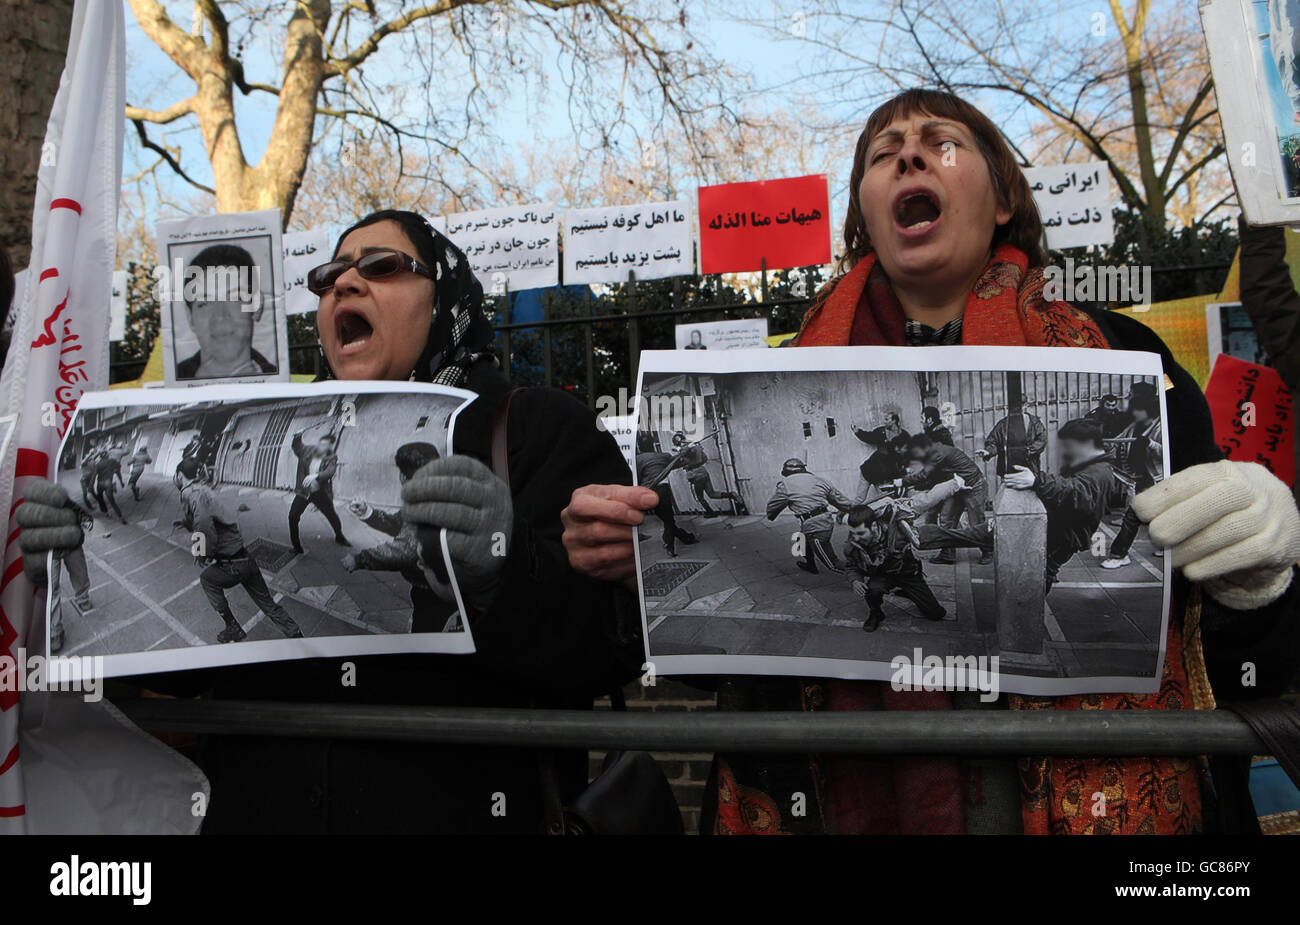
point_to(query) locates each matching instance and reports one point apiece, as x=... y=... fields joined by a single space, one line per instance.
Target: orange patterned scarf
x=1058 y=795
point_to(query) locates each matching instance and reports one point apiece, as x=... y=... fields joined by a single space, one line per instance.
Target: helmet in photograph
x=679 y=439
x=793 y=465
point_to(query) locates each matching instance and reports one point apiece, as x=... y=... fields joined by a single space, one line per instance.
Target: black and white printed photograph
x=232 y=524
x=220 y=286
x=823 y=514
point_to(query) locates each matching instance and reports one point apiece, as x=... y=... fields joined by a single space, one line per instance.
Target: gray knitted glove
x=1233 y=527
x=49 y=523
x=462 y=494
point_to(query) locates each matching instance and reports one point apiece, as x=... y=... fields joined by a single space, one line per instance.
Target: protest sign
x=1074 y=202
x=652 y=240
x=303 y=252
x=219 y=282
x=1252 y=48
x=514 y=247
x=1253 y=415
x=722 y=335
x=747 y=565
x=774 y=223
x=287 y=499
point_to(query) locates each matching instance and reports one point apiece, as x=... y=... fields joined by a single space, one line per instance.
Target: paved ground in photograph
x=738 y=591
x=145 y=585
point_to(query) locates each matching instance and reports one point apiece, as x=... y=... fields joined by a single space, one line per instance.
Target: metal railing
x=1081 y=733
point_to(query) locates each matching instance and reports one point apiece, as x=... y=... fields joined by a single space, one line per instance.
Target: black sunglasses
x=377 y=264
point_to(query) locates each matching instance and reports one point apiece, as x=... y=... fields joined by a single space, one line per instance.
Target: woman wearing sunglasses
x=398 y=302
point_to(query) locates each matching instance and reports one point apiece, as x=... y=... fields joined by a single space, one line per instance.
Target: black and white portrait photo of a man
x=224 y=322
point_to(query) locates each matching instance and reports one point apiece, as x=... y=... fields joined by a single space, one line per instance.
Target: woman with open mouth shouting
x=398 y=301
x=943 y=245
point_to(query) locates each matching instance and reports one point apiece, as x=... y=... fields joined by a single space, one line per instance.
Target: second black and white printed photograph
x=235 y=523
x=827 y=513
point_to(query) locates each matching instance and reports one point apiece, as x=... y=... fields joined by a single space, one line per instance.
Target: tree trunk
x=32 y=48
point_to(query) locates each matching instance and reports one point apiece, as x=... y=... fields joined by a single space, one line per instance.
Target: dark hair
x=189 y=467
x=1084 y=430
x=221 y=256
x=931 y=413
x=412 y=457
x=861 y=515
x=920 y=441
x=1025 y=228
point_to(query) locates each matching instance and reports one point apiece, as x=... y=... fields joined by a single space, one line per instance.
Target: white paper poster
x=514 y=247
x=117 y=307
x=219 y=282
x=740 y=334
x=1074 y=202
x=303 y=252
x=653 y=240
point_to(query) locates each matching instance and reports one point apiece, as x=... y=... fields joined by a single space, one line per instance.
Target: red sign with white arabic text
x=1253 y=415
x=786 y=223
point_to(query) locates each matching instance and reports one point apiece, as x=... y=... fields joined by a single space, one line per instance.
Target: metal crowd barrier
x=1082 y=733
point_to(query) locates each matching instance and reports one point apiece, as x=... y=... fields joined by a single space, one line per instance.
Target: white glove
x=1233 y=527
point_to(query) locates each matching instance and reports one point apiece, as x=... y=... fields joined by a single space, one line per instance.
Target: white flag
x=60 y=350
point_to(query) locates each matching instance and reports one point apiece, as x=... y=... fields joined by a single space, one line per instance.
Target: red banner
x=1253 y=415
x=785 y=222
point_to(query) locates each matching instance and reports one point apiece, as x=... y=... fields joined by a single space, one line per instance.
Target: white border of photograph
x=269 y=650
x=1249 y=130
x=899 y=359
x=193 y=233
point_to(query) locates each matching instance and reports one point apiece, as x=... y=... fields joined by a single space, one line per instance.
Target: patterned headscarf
x=460 y=335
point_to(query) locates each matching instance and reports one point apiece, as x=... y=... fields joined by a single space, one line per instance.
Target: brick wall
x=687 y=771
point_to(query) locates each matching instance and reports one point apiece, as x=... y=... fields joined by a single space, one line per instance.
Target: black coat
x=1267 y=638
x=1269 y=297
x=551 y=638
